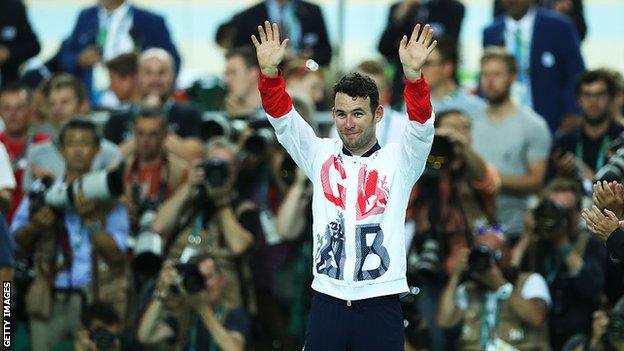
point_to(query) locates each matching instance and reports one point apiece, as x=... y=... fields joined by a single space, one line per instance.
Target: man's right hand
x=609 y=196
x=44 y=218
x=269 y=50
x=89 y=56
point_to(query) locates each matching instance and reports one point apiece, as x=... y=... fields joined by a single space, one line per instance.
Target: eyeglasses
x=602 y=94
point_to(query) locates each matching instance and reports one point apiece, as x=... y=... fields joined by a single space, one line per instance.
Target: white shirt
x=118 y=24
x=7 y=180
x=526 y=25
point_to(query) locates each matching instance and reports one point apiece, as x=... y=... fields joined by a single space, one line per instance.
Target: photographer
x=194 y=320
x=78 y=248
x=102 y=329
x=572 y=261
x=608 y=329
x=207 y=215
x=498 y=306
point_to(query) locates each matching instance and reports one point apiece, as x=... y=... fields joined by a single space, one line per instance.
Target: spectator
x=455 y=198
x=195 y=320
x=18 y=42
x=302 y=22
x=123 y=76
x=572 y=261
x=512 y=138
x=66 y=98
x=15 y=101
x=102 y=329
x=444 y=16
x=91 y=237
x=156 y=77
x=499 y=309
x=606 y=329
x=582 y=151
x=305 y=82
x=548 y=56
x=617 y=108
x=106 y=30
x=241 y=79
x=207 y=215
x=7 y=185
x=440 y=70
x=570 y=8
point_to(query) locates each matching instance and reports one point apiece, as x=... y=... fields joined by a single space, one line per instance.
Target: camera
x=260 y=139
x=98 y=185
x=216 y=172
x=613 y=170
x=288 y=170
x=103 y=338
x=550 y=216
x=190 y=278
x=481 y=257
x=615 y=328
x=148 y=246
x=214 y=125
x=441 y=155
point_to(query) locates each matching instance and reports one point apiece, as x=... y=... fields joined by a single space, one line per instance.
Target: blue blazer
x=148 y=30
x=555 y=63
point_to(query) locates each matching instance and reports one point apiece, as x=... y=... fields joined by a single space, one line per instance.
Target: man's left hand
x=415 y=50
x=88 y=210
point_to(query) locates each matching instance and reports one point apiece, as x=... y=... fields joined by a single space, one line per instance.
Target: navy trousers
x=374 y=324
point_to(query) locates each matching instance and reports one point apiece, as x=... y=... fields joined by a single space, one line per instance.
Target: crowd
x=139 y=216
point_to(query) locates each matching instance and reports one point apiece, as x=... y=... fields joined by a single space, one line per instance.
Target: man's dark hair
x=447 y=47
x=247 y=53
x=151 y=112
x=358 y=85
x=593 y=76
x=125 y=64
x=66 y=80
x=442 y=115
x=82 y=124
x=564 y=185
x=16 y=87
x=100 y=311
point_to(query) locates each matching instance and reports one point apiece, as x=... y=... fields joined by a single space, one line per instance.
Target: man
x=440 y=70
x=66 y=241
x=302 y=20
x=7 y=185
x=156 y=78
x=152 y=174
x=548 y=54
x=304 y=82
x=359 y=258
x=66 y=98
x=104 y=31
x=581 y=152
x=15 y=103
x=512 y=138
x=392 y=126
x=18 y=43
x=123 y=76
x=445 y=17
x=241 y=78
x=498 y=309
x=571 y=260
x=199 y=320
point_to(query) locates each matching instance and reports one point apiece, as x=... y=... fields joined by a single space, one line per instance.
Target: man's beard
x=360 y=142
x=500 y=98
x=596 y=121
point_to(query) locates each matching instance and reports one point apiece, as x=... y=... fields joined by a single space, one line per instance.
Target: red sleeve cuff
x=418 y=100
x=275 y=100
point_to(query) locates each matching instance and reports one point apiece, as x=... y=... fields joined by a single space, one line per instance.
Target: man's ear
x=333 y=113
x=379 y=111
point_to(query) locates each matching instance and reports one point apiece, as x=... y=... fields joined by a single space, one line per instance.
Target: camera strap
x=602 y=152
x=489 y=320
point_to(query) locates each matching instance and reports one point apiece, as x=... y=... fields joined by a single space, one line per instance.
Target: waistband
x=364 y=302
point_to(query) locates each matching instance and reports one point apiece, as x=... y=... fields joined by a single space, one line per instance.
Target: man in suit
x=104 y=31
x=547 y=50
x=18 y=43
x=444 y=16
x=301 y=21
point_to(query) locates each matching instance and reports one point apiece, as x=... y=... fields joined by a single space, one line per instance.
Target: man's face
x=567 y=200
x=156 y=77
x=213 y=279
x=79 y=149
x=110 y=3
x=496 y=80
x=63 y=104
x=435 y=69
x=458 y=123
x=240 y=79
x=311 y=85
x=595 y=102
x=15 y=112
x=355 y=121
x=516 y=8
x=123 y=87
x=149 y=134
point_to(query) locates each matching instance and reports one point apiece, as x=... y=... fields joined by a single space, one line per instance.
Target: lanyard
x=600 y=160
x=489 y=320
x=106 y=21
x=195 y=324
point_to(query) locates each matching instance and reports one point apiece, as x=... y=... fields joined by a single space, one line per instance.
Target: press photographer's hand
x=44 y=218
x=89 y=210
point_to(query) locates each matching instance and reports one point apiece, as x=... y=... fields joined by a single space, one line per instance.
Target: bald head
x=156 y=73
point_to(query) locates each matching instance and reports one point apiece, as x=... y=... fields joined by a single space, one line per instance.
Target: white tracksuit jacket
x=359 y=203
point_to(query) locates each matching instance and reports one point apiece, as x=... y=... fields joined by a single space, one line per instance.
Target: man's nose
x=349 y=122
